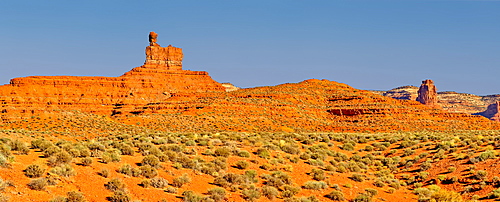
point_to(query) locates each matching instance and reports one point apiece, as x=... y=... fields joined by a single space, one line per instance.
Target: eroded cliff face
x=160 y=78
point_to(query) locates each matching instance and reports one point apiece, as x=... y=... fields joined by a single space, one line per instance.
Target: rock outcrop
x=492 y=112
x=230 y=87
x=450 y=101
x=166 y=58
x=427 y=93
x=160 y=78
x=403 y=93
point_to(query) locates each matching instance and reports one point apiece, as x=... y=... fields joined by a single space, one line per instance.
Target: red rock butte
x=160 y=95
x=160 y=78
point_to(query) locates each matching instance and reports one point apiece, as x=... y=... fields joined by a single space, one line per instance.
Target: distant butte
x=160 y=78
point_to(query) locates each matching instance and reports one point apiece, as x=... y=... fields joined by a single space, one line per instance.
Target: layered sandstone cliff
x=160 y=78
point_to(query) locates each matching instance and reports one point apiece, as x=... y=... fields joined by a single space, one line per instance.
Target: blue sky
x=367 y=44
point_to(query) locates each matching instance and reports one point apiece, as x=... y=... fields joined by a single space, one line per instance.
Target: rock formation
x=403 y=93
x=153 y=37
x=167 y=58
x=427 y=93
x=160 y=78
x=492 y=112
x=160 y=95
x=230 y=87
x=448 y=100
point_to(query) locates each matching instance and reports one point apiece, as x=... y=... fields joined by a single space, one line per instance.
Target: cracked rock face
x=427 y=93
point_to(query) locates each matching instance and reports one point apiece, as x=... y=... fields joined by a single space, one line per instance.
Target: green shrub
x=59 y=158
x=318 y=174
x=228 y=179
x=51 y=151
x=291 y=148
x=75 y=196
x=315 y=185
x=244 y=153
x=87 y=161
x=251 y=176
x=336 y=196
x=4 y=184
x=74 y=153
x=444 y=195
x=119 y=196
x=277 y=179
x=425 y=166
x=111 y=156
x=56 y=199
x=495 y=193
x=148 y=171
x=357 y=177
x=158 y=182
x=190 y=196
x=242 y=164
x=289 y=191
x=126 y=149
x=220 y=163
x=217 y=194
x=104 y=172
x=490 y=154
x=270 y=192
x=151 y=160
x=451 y=169
x=348 y=147
x=481 y=174
x=181 y=180
x=371 y=192
x=38 y=184
x=362 y=198
x=146 y=183
x=115 y=184
x=379 y=183
x=223 y=152
x=34 y=171
x=263 y=153
x=64 y=170
x=171 y=190
x=19 y=146
x=251 y=194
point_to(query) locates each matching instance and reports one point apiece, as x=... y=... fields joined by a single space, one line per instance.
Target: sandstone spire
x=157 y=57
x=427 y=93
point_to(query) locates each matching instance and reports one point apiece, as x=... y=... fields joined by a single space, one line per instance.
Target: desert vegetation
x=423 y=166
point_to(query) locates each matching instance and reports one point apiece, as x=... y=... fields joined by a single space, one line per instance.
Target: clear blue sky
x=367 y=44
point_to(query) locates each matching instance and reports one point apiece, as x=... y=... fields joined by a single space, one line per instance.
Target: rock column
x=427 y=93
